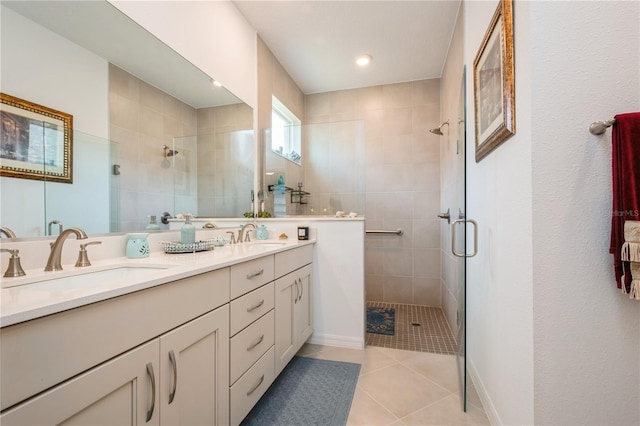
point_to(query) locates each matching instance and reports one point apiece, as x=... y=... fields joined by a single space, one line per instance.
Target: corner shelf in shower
x=297 y=195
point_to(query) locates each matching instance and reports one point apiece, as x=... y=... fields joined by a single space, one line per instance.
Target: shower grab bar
x=599 y=127
x=398 y=231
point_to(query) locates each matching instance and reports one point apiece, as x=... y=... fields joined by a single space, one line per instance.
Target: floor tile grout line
x=380 y=404
x=428 y=378
x=426 y=406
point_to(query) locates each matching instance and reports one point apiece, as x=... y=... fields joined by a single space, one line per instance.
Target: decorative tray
x=178 y=247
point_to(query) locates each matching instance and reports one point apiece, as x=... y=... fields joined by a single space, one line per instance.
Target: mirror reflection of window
x=285 y=132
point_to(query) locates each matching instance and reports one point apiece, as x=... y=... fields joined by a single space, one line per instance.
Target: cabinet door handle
x=301 y=288
x=255 y=274
x=152 y=377
x=253 y=308
x=174 y=367
x=256 y=386
x=256 y=343
x=297 y=294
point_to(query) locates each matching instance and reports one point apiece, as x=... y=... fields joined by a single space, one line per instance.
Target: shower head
x=168 y=152
x=438 y=130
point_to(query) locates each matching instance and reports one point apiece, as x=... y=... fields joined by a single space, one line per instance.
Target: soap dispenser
x=262 y=233
x=188 y=231
x=153 y=226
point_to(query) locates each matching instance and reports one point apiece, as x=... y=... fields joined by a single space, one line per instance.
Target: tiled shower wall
x=142 y=119
x=402 y=183
x=212 y=175
x=226 y=156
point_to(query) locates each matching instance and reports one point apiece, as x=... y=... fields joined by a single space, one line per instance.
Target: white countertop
x=29 y=301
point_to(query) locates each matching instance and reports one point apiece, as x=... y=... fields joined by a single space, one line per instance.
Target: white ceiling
x=317 y=41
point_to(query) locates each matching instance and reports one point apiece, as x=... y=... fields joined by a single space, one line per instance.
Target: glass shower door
x=459 y=244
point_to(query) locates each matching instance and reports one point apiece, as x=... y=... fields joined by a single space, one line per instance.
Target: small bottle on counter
x=152 y=226
x=188 y=231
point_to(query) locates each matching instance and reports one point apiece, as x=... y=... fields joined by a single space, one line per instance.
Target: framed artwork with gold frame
x=494 y=83
x=36 y=142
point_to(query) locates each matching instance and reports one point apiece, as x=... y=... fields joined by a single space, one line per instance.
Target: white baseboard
x=338 y=341
x=489 y=408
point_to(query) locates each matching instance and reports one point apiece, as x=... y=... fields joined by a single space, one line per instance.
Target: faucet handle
x=14 y=269
x=233 y=236
x=83 y=257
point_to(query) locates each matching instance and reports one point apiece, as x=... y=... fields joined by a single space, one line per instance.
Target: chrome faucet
x=54 y=262
x=8 y=232
x=241 y=233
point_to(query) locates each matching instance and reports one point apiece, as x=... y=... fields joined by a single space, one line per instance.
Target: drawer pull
x=257 y=385
x=256 y=343
x=152 y=377
x=174 y=367
x=253 y=308
x=255 y=274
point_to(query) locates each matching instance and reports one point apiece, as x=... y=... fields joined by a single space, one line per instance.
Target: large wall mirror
x=151 y=132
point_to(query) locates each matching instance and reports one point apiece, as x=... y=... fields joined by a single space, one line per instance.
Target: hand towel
x=626 y=188
x=631 y=254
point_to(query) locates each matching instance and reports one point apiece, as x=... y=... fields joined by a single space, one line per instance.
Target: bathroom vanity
x=198 y=340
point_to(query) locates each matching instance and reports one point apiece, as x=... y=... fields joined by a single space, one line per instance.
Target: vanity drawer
x=250 y=275
x=250 y=307
x=293 y=259
x=249 y=345
x=246 y=392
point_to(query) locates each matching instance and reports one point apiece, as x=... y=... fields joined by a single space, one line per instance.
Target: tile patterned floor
x=431 y=335
x=398 y=387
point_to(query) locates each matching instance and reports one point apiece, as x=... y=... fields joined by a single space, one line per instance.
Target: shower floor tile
x=417 y=328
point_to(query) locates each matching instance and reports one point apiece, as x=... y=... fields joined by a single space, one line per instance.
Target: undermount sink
x=76 y=278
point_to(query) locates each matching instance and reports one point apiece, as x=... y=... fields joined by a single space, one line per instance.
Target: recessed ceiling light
x=363 y=60
x=216 y=83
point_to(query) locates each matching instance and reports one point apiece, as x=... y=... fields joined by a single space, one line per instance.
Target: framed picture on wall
x=36 y=142
x=494 y=86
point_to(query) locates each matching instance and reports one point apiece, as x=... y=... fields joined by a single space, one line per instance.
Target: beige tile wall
x=401 y=181
x=212 y=175
x=369 y=150
x=225 y=160
x=142 y=119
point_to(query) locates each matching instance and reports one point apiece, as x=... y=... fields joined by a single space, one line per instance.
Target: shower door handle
x=454 y=225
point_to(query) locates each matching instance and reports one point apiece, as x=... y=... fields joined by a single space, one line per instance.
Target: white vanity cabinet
x=198 y=350
x=91 y=365
x=179 y=378
x=293 y=303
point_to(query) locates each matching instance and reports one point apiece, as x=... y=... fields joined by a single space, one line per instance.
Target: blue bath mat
x=308 y=392
x=381 y=320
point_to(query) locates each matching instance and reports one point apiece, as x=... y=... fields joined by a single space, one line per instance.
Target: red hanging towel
x=626 y=187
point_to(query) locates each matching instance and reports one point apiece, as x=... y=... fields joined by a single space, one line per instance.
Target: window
x=285 y=132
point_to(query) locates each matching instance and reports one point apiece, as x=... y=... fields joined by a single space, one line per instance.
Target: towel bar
x=599 y=127
x=398 y=231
